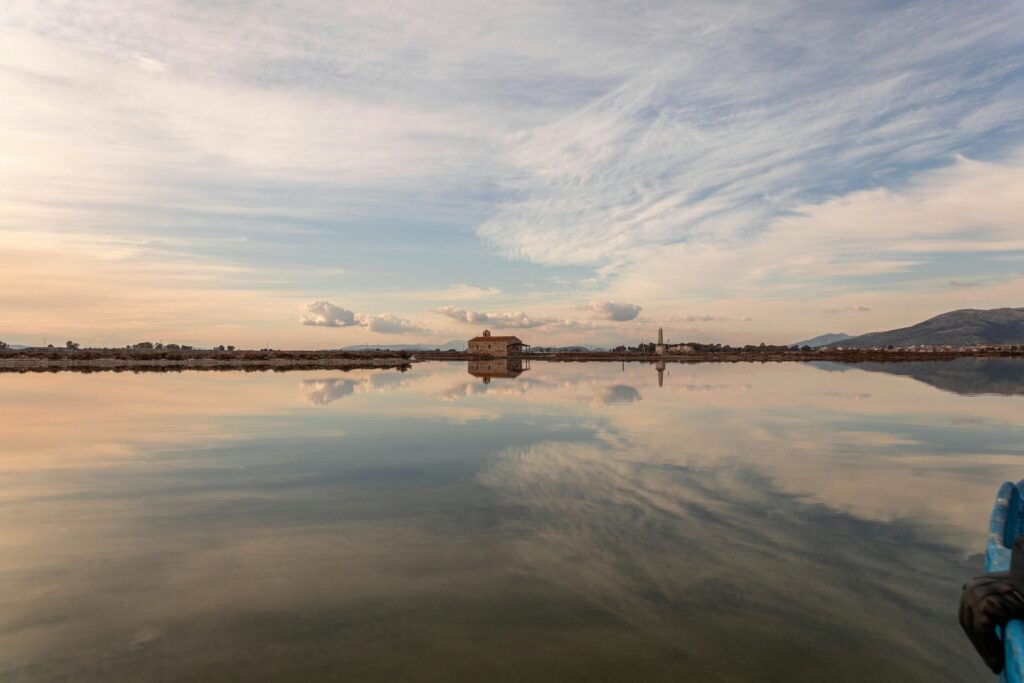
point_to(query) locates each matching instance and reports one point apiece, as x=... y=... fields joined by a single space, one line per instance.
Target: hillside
x=822 y=340
x=957 y=328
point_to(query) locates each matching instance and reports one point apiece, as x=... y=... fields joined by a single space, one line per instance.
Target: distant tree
x=143 y=345
x=231 y=348
x=3 y=345
x=71 y=345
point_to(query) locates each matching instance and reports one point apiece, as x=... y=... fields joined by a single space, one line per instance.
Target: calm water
x=575 y=522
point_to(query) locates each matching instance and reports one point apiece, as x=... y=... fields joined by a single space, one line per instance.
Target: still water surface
x=743 y=522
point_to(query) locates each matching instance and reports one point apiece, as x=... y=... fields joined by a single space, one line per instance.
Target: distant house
x=681 y=348
x=489 y=345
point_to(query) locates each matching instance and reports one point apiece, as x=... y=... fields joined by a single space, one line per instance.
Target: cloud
x=841 y=309
x=516 y=320
x=326 y=314
x=707 y=318
x=961 y=283
x=386 y=323
x=457 y=292
x=610 y=310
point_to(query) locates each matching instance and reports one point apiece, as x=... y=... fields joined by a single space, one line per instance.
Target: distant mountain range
x=956 y=328
x=456 y=344
x=823 y=340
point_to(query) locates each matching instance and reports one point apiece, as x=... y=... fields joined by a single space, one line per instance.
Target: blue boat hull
x=1006 y=524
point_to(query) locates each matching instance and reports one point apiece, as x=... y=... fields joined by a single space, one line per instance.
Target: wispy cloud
x=703 y=318
x=860 y=241
x=716 y=149
x=459 y=292
x=854 y=307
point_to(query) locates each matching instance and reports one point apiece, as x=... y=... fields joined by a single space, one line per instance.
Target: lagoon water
x=732 y=522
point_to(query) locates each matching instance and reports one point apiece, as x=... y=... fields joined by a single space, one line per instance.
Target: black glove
x=988 y=601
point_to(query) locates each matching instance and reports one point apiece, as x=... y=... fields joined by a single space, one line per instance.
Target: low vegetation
x=72 y=357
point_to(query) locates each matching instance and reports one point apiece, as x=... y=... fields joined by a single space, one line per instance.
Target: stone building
x=489 y=345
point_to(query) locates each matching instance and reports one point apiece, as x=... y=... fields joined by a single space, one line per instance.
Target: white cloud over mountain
x=385 y=323
x=515 y=320
x=326 y=314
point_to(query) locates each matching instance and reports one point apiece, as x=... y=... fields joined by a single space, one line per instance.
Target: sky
x=317 y=174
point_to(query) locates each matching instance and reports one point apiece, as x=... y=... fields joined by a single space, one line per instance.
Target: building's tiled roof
x=515 y=340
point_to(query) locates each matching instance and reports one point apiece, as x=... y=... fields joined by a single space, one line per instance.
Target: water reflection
x=688 y=556
x=488 y=369
x=742 y=522
x=327 y=390
x=619 y=393
x=968 y=376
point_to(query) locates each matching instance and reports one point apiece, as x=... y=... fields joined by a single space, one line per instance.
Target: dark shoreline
x=123 y=360
x=846 y=356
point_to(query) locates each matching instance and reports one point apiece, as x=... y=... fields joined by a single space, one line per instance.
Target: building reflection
x=488 y=368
